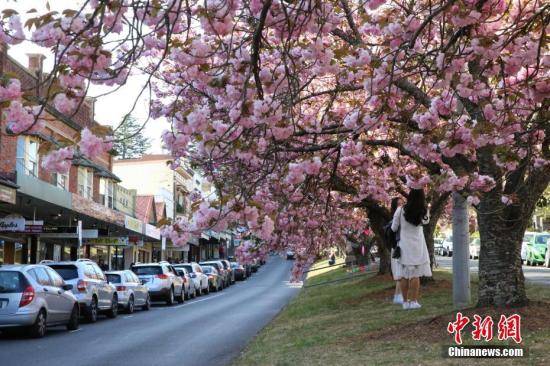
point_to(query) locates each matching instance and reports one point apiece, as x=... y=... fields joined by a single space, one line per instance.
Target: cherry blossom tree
x=308 y=116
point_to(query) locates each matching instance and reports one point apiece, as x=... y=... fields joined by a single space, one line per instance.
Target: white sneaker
x=414 y=305
x=398 y=299
x=406 y=305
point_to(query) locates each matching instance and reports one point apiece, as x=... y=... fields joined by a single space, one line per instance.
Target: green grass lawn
x=353 y=322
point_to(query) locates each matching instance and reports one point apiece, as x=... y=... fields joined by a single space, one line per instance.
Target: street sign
x=114 y=241
x=8 y=194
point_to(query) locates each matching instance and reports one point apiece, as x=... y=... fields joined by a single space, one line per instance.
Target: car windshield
x=234 y=265
x=187 y=267
x=207 y=269
x=527 y=238
x=11 y=282
x=147 y=270
x=113 y=278
x=541 y=239
x=215 y=265
x=66 y=271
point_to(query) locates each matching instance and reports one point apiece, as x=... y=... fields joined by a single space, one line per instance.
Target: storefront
x=108 y=252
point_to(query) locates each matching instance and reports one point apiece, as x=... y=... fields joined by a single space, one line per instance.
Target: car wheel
x=91 y=312
x=170 y=298
x=38 y=329
x=113 y=311
x=73 y=323
x=181 y=297
x=147 y=305
x=207 y=289
x=186 y=295
x=130 y=306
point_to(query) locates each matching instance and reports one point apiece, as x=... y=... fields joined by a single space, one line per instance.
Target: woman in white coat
x=414 y=260
x=396 y=202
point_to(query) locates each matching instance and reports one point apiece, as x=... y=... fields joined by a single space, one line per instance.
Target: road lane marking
x=76 y=330
x=128 y=316
x=191 y=302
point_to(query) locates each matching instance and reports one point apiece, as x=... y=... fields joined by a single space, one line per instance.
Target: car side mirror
x=67 y=287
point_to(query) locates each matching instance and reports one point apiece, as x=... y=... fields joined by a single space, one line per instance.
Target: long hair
x=415 y=208
x=394 y=204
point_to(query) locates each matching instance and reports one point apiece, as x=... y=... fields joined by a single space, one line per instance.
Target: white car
x=200 y=280
x=161 y=280
x=447 y=246
x=90 y=287
x=131 y=293
x=474 y=248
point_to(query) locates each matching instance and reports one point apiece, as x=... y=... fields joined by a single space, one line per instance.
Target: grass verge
x=353 y=322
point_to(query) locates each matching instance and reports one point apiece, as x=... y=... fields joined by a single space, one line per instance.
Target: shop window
x=85 y=182
x=106 y=190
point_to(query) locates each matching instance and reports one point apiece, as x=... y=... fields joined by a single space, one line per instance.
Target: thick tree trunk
x=377 y=222
x=501 y=280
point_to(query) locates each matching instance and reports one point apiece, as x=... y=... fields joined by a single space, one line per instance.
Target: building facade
x=49 y=216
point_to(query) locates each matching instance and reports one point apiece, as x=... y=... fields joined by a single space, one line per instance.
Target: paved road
x=533 y=274
x=209 y=330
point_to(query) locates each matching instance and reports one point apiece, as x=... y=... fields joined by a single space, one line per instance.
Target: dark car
x=239 y=270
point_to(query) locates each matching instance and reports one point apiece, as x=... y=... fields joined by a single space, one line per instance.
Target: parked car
x=447 y=246
x=536 y=247
x=214 y=278
x=474 y=248
x=34 y=297
x=200 y=280
x=161 y=280
x=290 y=255
x=227 y=267
x=438 y=246
x=131 y=292
x=187 y=281
x=90 y=286
x=221 y=270
x=239 y=270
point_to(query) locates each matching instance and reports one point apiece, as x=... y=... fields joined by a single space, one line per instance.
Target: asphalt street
x=533 y=274
x=208 y=330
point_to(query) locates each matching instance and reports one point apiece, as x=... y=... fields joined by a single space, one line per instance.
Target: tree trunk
x=501 y=280
x=377 y=221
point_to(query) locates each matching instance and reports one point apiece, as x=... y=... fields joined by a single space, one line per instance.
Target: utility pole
x=461 y=252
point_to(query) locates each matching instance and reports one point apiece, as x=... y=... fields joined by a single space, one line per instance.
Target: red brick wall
x=73 y=179
x=8 y=150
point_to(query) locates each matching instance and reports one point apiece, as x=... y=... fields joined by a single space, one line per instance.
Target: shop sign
x=115 y=241
x=8 y=194
x=33 y=227
x=16 y=224
x=152 y=231
x=135 y=240
x=86 y=234
x=133 y=224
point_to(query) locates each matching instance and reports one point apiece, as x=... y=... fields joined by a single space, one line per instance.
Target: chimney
x=90 y=101
x=36 y=61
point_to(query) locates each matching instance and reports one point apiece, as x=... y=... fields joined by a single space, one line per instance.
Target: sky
x=109 y=109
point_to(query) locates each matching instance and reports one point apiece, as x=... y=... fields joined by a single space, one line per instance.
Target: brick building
x=40 y=211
